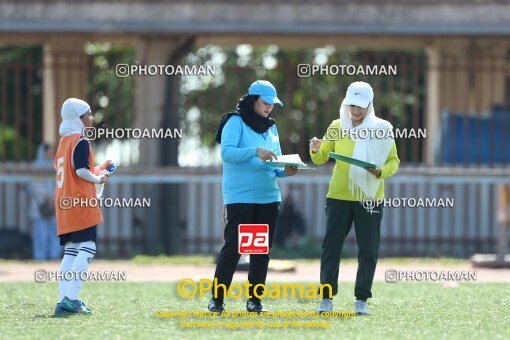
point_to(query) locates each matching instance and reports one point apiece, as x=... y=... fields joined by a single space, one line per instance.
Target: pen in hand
x=322 y=140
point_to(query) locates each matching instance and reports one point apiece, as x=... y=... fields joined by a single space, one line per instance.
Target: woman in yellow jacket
x=350 y=186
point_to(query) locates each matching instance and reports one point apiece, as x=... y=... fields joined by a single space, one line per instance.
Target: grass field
x=206 y=260
x=127 y=310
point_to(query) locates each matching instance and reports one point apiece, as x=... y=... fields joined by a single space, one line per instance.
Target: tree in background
x=311 y=103
x=20 y=102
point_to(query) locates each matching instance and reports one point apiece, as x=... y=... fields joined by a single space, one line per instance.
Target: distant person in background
x=45 y=242
x=291 y=225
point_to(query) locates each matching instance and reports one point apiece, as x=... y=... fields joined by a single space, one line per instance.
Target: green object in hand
x=352 y=161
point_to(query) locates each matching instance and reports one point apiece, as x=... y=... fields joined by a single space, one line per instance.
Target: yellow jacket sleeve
x=391 y=166
x=322 y=155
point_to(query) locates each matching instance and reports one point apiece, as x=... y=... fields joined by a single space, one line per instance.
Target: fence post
x=65 y=75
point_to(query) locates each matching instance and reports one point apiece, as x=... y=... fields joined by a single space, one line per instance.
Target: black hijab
x=244 y=108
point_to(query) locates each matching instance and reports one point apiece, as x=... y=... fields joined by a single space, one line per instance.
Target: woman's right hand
x=265 y=155
x=315 y=144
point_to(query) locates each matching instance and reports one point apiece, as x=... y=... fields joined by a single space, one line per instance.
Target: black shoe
x=254 y=305
x=216 y=306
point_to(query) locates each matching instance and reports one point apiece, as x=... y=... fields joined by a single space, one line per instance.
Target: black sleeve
x=81 y=155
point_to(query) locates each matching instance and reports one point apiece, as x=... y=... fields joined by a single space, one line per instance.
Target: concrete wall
x=291 y=16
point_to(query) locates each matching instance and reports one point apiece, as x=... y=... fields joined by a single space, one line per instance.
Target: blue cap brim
x=272 y=100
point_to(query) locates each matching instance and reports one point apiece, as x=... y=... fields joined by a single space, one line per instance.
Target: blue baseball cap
x=266 y=90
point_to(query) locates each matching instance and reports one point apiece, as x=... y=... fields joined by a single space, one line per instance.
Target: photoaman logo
x=253 y=239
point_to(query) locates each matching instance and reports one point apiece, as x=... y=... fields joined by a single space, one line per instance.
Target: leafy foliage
x=20 y=102
x=111 y=98
x=311 y=103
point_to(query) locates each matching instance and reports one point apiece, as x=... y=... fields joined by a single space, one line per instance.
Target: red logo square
x=253 y=239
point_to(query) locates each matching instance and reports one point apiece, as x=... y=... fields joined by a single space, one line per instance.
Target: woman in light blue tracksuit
x=248 y=137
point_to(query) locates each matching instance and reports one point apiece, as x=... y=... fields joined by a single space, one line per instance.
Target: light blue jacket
x=246 y=179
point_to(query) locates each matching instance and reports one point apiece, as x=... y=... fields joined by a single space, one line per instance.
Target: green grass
x=127 y=310
x=174 y=259
x=420 y=260
x=201 y=260
x=207 y=259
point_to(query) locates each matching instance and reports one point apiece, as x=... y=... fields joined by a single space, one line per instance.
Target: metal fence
x=470 y=226
x=478 y=121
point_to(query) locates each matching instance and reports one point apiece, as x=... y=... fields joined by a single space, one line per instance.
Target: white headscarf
x=72 y=110
x=362 y=183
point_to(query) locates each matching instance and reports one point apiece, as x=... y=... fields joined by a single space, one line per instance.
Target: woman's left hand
x=376 y=172
x=291 y=170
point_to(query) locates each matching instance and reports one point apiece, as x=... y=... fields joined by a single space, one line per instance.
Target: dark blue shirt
x=81 y=155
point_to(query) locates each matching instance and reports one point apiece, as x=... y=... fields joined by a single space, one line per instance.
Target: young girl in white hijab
x=76 y=180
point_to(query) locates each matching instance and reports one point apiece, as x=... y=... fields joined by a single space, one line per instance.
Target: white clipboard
x=290 y=160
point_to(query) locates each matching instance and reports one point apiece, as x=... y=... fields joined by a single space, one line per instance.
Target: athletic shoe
x=360 y=307
x=85 y=308
x=216 y=306
x=326 y=305
x=59 y=311
x=74 y=306
x=254 y=305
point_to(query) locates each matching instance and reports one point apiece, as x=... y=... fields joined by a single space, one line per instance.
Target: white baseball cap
x=74 y=108
x=360 y=94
